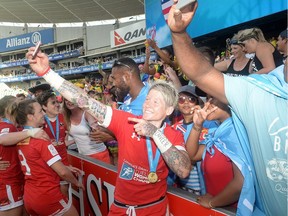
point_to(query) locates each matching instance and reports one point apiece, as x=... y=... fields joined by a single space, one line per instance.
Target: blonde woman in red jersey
x=11 y=177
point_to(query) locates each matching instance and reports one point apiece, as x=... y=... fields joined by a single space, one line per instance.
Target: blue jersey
x=194 y=181
x=262 y=107
x=135 y=106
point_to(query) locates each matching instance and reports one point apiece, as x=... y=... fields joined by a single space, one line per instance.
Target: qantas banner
x=128 y=34
x=99 y=182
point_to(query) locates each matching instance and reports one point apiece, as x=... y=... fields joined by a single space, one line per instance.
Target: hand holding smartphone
x=36 y=50
x=182 y=3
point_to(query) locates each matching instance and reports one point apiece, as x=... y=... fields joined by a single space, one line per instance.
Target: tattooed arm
x=177 y=160
x=69 y=91
x=76 y=95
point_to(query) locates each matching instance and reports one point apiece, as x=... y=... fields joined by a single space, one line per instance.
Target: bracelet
x=161 y=141
x=44 y=72
x=210 y=205
x=198 y=129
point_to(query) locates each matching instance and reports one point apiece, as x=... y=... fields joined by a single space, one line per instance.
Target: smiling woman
x=42 y=167
x=148 y=133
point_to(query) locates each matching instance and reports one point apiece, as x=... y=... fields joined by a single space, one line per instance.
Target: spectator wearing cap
x=282 y=43
x=188 y=99
x=39 y=88
x=21 y=96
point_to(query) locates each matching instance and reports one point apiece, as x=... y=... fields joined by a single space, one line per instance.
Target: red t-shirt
x=60 y=147
x=217 y=170
x=36 y=157
x=132 y=185
x=13 y=174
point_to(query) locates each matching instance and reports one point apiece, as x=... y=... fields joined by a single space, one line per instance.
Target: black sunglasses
x=118 y=63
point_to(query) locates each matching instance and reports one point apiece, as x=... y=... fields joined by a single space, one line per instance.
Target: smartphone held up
x=183 y=3
x=37 y=49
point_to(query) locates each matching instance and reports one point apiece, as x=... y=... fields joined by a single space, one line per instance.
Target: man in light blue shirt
x=127 y=82
x=259 y=102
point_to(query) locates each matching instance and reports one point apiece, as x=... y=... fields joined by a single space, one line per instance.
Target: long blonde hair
x=67 y=114
x=255 y=33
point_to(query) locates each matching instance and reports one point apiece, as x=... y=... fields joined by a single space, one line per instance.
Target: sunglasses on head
x=234 y=42
x=191 y=99
x=230 y=42
x=118 y=63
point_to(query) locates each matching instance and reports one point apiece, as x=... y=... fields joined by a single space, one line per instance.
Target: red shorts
x=157 y=209
x=11 y=196
x=47 y=205
x=102 y=156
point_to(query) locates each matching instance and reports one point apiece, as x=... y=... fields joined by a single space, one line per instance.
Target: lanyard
x=153 y=162
x=6 y=120
x=28 y=127
x=51 y=128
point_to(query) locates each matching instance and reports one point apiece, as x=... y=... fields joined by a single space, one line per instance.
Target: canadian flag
x=118 y=40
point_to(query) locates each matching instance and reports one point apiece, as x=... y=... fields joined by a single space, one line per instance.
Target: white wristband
x=33 y=131
x=161 y=141
x=53 y=79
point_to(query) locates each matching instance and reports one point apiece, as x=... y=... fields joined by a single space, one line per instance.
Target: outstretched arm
x=15 y=137
x=177 y=160
x=191 y=61
x=68 y=90
x=146 y=67
x=161 y=54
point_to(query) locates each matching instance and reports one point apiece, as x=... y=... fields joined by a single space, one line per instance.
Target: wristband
x=198 y=129
x=53 y=79
x=161 y=141
x=33 y=131
x=44 y=72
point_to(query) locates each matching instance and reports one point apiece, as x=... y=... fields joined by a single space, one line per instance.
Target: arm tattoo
x=178 y=161
x=150 y=129
x=78 y=97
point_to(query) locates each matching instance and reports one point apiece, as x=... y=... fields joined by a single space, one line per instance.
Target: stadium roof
x=67 y=11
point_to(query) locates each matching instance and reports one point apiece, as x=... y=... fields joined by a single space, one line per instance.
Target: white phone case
x=36 y=50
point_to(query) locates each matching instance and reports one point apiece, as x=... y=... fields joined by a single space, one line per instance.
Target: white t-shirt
x=80 y=134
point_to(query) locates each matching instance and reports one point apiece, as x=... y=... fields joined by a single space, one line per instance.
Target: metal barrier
x=99 y=180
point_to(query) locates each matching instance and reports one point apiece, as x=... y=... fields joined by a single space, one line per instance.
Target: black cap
x=39 y=85
x=192 y=91
x=188 y=89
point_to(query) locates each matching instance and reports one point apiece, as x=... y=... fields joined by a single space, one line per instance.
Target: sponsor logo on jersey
x=24 y=142
x=203 y=134
x=52 y=150
x=5 y=130
x=126 y=172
